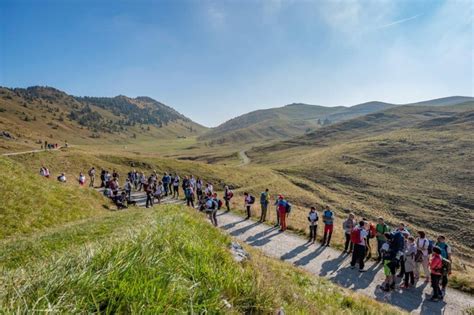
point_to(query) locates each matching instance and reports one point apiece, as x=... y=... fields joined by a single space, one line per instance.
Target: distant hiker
x=148 y=187
x=166 y=182
x=199 y=186
x=62 y=178
x=249 y=200
x=176 y=181
x=390 y=263
x=128 y=189
x=422 y=256
x=282 y=206
x=91 y=174
x=143 y=182
x=370 y=227
x=120 y=201
x=409 y=256
x=264 y=201
x=212 y=204
x=192 y=182
x=228 y=194
x=82 y=179
x=102 y=178
x=44 y=172
x=447 y=260
x=46 y=145
x=328 y=219
x=313 y=224
x=359 y=238
x=115 y=174
x=402 y=253
x=135 y=180
x=159 y=191
x=381 y=228
x=209 y=189
x=348 y=225
x=436 y=265
x=189 y=194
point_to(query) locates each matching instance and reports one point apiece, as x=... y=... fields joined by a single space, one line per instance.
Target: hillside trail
x=244 y=157
x=331 y=264
x=31 y=151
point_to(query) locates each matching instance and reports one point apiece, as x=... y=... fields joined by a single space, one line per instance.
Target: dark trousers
x=435 y=279
x=313 y=232
x=170 y=187
x=402 y=266
x=263 y=215
x=175 y=191
x=190 y=202
x=128 y=194
x=348 y=245
x=213 y=216
x=165 y=187
x=444 y=281
x=409 y=278
x=379 y=248
x=358 y=256
x=248 y=212
x=149 y=200
x=227 y=204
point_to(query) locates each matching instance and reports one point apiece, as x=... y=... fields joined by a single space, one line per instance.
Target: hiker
x=348 y=226
x=212 y=205
x=402 y=253
x=199 y=186
x=176 y=180
x=390 y=263
x=359 y=238
x=44 y=172
x=148 y=187
x=115 y=174
x=228 y=194
x=249 y=200
x=189 y=193
x=128 y=189
x=136 y=179
x=313 y=224
x=446 y=255
x=209 y=190
x=159 y=191
x=166 y=182
x=192 y=182
x=264 y=201
x=91 y=177
x=422 y=256
x=102 y=178
x=62 y=178
x=436 y=265
x=328 y=219
x=82 y=179
x=371 y=234
x=143 y=182
x=381 y=228
x=120 y=201
x=282 y=206
x=409 y=256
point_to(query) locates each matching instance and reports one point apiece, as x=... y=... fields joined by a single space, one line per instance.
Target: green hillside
x=297 y=119
x=37 y=114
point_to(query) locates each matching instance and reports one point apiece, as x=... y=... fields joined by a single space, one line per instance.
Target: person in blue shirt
x=328 y=219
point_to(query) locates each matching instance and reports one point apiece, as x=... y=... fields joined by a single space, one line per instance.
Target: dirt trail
x=245 y=159
x=31 y=151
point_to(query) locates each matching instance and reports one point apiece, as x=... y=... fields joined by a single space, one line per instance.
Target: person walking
x=82 y=179
x=148 y=187
x=264 y=201
x=212 y=208
x=380 y=229
x=249 y=200
x=348 y=226
x=436 y=265
x=128 y=189
x=228 y=194
x=189 y=194
x=359 y=238
x=422 y=256
x=176 y=181
x=371 y=234
x=313 y=224
x=328 y=219
x=282 y=205
x=159 y=191
x=409 y=256
x=446 y=255
x=166 y=181
x=92 y=177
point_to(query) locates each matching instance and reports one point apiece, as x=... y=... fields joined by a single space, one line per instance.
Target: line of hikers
x=401 y=254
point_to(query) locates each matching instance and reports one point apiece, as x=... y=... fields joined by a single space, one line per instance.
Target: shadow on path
x=307 y=259
x=259 y=235
x=331 y=266
x=244 y=229
x=294 y=252
x=231 y=225
x=262 y=241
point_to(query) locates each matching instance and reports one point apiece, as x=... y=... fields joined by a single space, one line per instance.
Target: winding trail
x=31 y=151
x=244 y=157
x=331 y=264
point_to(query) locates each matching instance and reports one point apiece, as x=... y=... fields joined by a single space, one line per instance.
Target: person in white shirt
x=62 y=178
x=359 y=238
x=422 y=256
x=313 y=224
x=82 y=179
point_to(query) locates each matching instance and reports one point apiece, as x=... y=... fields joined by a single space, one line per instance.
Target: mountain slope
x=47 y=114
x=296 y=119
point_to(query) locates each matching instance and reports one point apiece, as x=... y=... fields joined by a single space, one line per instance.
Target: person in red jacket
x=282 y=206
x=436 y=265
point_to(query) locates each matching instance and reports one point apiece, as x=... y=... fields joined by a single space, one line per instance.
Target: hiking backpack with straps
x=288 y=207
x=252 y=200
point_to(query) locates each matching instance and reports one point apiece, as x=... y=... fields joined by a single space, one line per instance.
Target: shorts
x=328 y=228
x=389 y=268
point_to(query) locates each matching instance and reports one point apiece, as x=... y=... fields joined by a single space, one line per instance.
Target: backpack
x=252 y=200
x=263 y=198
x=445 y=267
x=230 y=194
x=355 y=235
x=430 y=247
x=288 y=207
x=219 y=204
x=372 y=231
x=444 y=249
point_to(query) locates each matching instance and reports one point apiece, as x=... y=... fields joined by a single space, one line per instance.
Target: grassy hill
x=74 y=256
x=297 y=119
x=412 y=163
x=37 y=114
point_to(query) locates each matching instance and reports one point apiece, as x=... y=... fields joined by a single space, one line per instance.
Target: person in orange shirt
x=436 y=265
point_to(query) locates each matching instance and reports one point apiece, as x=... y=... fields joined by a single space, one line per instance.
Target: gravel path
x=244 y=157
x=332 y=264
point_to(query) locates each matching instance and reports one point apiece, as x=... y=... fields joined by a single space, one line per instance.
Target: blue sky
x=213 y=60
